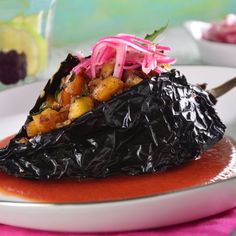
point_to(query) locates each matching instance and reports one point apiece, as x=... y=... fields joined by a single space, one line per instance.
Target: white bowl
x=213 y=53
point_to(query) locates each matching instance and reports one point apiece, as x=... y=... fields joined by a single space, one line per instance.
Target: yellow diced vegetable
x=31 y=129
x=64 y=98
x=77 y=86
x=93 y=84
x=47 y=120
x=61 y=116
x=131 y=81
x=23 y=140
x=107 y=88
x=107 y=70
x=80 y=106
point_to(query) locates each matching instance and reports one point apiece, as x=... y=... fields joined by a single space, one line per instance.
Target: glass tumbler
x=25 y=36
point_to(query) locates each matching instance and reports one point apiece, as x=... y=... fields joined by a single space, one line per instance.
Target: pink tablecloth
x=221 y=224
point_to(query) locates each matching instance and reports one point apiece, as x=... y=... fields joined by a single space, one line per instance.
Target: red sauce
x=215 y=164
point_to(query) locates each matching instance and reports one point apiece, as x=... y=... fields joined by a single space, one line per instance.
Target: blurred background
x=78 y=23
x=78 y=20
x=38 y=34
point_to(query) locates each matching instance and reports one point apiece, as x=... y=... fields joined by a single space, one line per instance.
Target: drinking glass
x=25 y=37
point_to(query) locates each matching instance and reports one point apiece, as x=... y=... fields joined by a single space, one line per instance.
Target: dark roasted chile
x=13 y=67
x=158 y=124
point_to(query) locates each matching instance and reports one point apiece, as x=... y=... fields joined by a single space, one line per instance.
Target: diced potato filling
x=64 y=98
x=132 y=81
x=107 y=88
x=32 y=129
x=77 y=86
x=74 y=88
x=93 y=84
x=107 y=70
x=77 y=96
x=45 y=121
x=80 y=106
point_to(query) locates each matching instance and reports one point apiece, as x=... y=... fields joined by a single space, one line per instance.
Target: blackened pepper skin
x=158 y=124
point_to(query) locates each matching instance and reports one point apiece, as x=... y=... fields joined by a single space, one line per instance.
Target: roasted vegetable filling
x=117 y=63
x=77 y=95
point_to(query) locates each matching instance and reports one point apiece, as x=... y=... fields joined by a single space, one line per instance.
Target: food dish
x=222 y=31
x=123 y=215
x=153 y=94
x=124 y=96
x=216 y=164
x=211 y=52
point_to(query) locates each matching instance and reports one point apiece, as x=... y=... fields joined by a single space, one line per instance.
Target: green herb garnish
x=156 y=33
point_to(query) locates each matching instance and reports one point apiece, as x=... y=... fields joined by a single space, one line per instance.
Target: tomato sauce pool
x=217 y=163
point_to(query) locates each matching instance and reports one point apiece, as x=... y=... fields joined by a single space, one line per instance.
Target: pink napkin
x=218 y=225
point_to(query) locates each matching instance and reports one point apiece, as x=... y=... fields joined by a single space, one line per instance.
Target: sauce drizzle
x=216 y=164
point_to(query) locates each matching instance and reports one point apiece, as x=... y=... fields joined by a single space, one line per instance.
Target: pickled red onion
x=126 y=52
x=223 y=31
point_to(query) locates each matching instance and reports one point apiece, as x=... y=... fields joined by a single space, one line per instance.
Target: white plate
x=142 y=213
x=213 y=53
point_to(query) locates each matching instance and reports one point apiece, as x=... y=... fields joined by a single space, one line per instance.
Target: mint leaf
x=156 y=33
